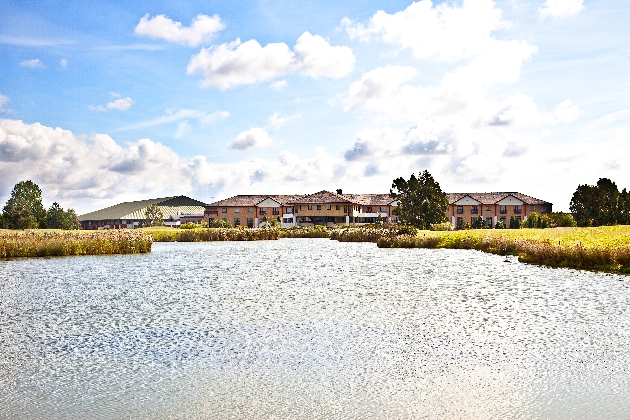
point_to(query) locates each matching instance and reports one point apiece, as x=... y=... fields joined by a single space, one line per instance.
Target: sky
x=109 y=101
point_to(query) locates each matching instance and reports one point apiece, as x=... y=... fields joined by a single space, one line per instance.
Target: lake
x=310 y=328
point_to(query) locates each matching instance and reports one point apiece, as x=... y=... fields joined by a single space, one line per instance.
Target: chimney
x=339 y=191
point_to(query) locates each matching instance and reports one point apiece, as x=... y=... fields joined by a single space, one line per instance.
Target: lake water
x=310 y=328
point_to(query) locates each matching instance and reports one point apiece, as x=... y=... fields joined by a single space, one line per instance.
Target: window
x=503 y=210
x=319 y=207
x=310 y=207
x=502 y=219
x=223 y=210
x=287 y=220
x=460 y=209
x=544 y=209
x=237 y=210
x=474 y=210
x=489 y=221
x=237 y=221
x=329 y=207
x=276 y=210
x=369 y=210
x=250 y=222
x=338 y=207
x=460 y=222
x=224 y=219
x=383 y=209
x=250 y=210
x=301 y=207
x=289 y=209
x=517 y=209
x=532 y=208
x=488 y=208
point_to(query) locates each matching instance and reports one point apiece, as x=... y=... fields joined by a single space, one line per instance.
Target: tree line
x=24 y=210
x=601 y=204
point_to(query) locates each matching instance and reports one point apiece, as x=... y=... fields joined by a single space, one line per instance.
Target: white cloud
x=232 y=64
x=171 y=116
x=279 y=84
x=115 y=95
x=440 y=33
x=277 y=120
x=121 y=104
x=63 y=63
x=3 y=101
x=561 y=8
x=183 y=128
x=32 y=63
x=201 y=30
x=567 y=112
x=254 y=137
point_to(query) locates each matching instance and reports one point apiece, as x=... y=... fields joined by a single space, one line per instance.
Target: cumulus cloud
x=254 y=137
x=172 y=116
x=520 y=110
x=371 y=142
x=441 y=33
x=63 y=63
x=121 y=104
x=202 y=29
x=32 y=63
x=235 y=63
x=567 y=112
x=561 y=8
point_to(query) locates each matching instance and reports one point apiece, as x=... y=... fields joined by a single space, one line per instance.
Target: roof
x=251 y=200
x=371 y=199
x=323 y=197
x=494 y=197
x=135 y=210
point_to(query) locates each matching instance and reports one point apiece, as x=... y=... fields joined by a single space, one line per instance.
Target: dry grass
x=47 y=243
x=161 y=234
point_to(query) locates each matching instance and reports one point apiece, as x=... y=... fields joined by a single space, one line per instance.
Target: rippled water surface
x=310 y=328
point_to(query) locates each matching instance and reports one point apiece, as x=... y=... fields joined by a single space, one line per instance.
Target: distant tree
x=624 y=207
x=54 y=217
x=154 y=216
x=71 y=220
x=421 y=202
x=560 y=219
x=478 y=223
x=596 y=205
x=24 y=210
x=3 y=222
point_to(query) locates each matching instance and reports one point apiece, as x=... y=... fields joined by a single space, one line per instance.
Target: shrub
x=560 y=219
x=445 y=226
x=220 y=224
x=499 y=225
x=189 y=225
x=478 y=223
x=515 y=222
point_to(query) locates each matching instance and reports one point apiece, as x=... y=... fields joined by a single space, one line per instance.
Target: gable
x=467 y=201
x=510 y=200
x=269 y=202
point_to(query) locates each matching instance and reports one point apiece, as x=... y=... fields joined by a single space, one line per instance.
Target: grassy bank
x=603 y=248
x=49 y=243
x=165 y=234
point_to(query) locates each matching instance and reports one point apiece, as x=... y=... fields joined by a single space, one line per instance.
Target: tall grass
x=595 y=254
x=306 y=232
x=64 y=243
x=211 y=234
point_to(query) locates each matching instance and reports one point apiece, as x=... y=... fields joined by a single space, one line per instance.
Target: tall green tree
x=421 y=201
x=24 y=210
x=596 y=205
x=154 y=216
x=54 y=217
x=71 y=220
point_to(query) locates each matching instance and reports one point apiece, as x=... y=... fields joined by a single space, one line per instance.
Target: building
x=333 y=209
x=131 y=214
x=322 y=208
x=493 y=207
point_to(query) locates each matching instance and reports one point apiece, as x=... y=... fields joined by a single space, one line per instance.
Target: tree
x=596 y=205
x=54 y=217
x=421 y=202
x=154 y=216
x=515 y=222
x=560 y=219
x=71 y=220
x=3 y=222
x=24 y=210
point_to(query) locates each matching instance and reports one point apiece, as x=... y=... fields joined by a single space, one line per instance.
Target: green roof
x=134 y=210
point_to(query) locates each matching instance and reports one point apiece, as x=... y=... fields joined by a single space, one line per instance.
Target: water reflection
x=310 y=329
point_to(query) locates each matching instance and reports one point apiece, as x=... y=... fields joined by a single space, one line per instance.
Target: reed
x=212 y=234
x=49 y=243
x=594 y=254
x=306 y=232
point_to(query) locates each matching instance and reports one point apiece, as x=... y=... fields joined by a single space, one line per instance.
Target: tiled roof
x=251 y=200
x=493 y=197
x=371 y=199
x=323 y=197
x=134 y=210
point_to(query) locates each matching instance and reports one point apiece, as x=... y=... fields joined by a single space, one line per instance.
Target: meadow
x=58 y=243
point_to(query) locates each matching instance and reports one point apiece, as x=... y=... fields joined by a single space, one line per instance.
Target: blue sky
x=104 y=102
